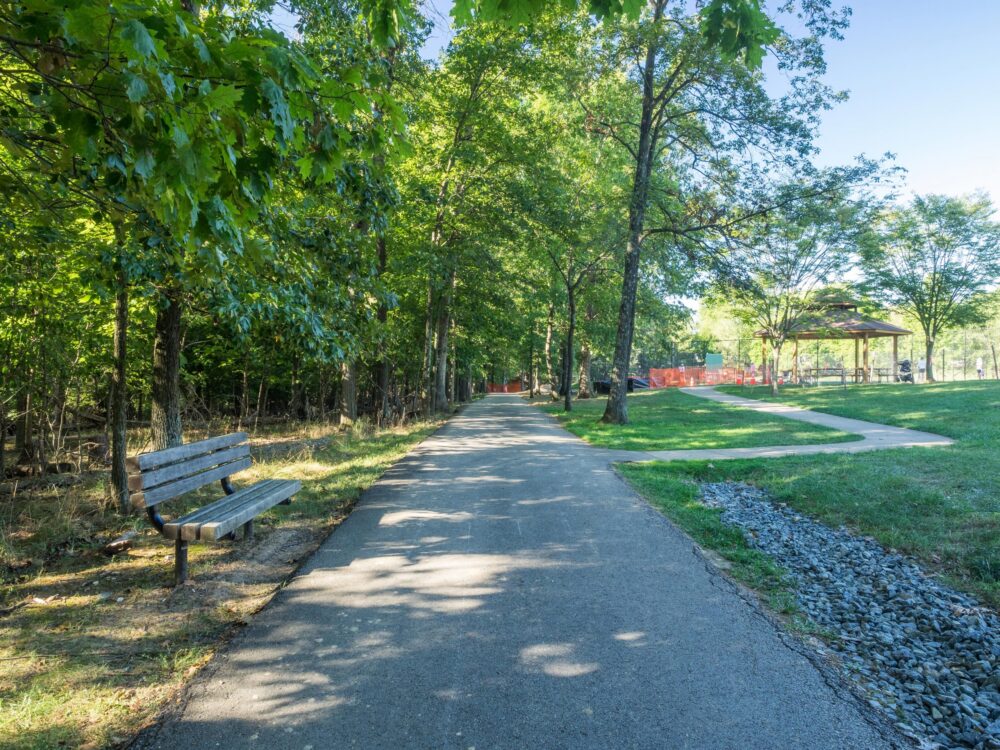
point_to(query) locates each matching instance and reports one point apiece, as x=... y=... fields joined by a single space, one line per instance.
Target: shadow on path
x=501 y=587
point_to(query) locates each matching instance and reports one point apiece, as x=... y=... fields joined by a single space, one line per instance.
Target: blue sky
x=924 y=79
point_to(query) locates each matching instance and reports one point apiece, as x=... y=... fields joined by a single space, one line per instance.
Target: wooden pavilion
x=839 y=319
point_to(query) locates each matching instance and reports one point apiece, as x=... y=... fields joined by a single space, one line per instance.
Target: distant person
x=979 y=368
x=922 y=368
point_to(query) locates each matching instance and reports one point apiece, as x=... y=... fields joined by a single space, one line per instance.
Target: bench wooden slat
x=216 y=529
x=171 y=528
x=155 y=477
x=157 y=495
x=218 y=519
x=156 y=459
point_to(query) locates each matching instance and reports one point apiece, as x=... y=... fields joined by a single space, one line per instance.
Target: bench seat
x=214 y=521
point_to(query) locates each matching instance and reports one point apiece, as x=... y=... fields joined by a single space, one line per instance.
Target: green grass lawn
x=670 y=420
x=941 y=505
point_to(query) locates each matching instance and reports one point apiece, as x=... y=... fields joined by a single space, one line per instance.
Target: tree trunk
x=24 y=445
x=349 y=393
x=549 y=372
x=428 y=356
x=531 y=364
x=295 y=405
x=584 y=372
x=930 y=359
x=616 y=410
x=382 y=369
x=244 y=404
x=775 y=364
x=261 y=405
x=453 y=367
x=441 y=351
x=166 y=413
x=441 y=363
x=119 y=391
x=568 y=358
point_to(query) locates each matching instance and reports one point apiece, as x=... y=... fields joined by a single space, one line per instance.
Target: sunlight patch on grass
x=670 y=420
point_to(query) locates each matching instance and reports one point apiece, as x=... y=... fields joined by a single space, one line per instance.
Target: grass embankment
x=670 y=420
x=92 y=648
x=940 y=505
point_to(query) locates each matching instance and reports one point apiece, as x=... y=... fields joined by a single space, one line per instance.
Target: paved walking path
x=501 y=587
x=874 y=436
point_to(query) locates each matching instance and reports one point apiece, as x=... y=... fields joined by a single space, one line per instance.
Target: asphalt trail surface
x=502 y=587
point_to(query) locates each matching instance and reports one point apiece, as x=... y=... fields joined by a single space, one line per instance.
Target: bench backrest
x=161 y=475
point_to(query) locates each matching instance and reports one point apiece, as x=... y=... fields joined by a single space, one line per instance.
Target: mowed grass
x=940 y=505
x=91 y=648
x=670 y=420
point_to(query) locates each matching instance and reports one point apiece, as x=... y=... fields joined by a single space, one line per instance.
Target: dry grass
x=92 y=648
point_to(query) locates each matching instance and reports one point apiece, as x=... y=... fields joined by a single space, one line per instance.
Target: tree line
x=207 y=217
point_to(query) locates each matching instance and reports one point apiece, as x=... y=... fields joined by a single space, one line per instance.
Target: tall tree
x=935 y=259
x=680 y=92
x=778 y=264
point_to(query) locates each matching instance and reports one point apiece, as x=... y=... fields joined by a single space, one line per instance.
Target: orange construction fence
x=676 y=377
x=511 y=386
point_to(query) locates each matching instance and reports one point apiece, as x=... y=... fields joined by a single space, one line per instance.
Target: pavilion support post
x=857 y=357
x=867 y=375
x=795 y=361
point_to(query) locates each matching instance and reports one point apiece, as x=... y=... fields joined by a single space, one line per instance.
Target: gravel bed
x=926 y=654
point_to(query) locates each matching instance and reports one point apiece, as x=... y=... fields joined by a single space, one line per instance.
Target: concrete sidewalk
x=502 y=587
x=874 y=436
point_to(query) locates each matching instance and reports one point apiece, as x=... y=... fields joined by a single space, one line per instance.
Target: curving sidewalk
x=873 y=436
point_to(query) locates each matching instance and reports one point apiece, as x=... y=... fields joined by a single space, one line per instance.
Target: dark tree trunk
x=441 y=363
x=165 y=417
x=616 y=410
x=349 y=393
x=930 y=359
x=382 y=369
x=24 y=444
x=568 y=356
x=119 y=393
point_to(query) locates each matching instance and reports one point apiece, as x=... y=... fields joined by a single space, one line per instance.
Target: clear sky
x=924 y=79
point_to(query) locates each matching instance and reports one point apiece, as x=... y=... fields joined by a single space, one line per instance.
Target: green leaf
x=280 y=114
x=137 y=90
x=138 y=39
x=145 y=164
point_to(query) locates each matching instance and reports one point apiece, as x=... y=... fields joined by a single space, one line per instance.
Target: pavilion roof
x=840 y=323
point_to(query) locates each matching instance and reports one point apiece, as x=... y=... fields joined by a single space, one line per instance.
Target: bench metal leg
x=286 y=502
x=248 y=531
x=180 y=561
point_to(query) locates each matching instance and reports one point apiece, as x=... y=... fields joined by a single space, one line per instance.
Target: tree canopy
x=210 y=219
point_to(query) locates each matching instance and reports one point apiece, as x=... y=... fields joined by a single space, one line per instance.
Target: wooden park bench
x=164 y=475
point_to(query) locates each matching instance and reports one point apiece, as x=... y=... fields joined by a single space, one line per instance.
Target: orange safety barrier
x=680 y=377
x=511 y=386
